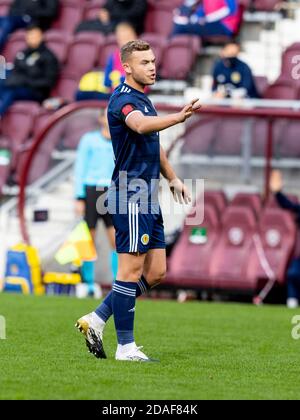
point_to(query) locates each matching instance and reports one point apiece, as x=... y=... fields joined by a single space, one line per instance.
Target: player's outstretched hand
x=276 y=182
x=189 y=110
x=180 y=192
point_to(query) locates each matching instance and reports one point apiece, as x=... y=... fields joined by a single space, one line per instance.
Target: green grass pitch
x=206 y=351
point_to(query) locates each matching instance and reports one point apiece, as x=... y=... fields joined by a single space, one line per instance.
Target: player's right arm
x=142 y=124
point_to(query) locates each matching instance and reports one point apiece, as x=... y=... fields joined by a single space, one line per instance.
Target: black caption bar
x=102 y=409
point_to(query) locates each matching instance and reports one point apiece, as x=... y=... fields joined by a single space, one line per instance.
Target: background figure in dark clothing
x=101 y=24
x=26 y=12
x=293 y=273
x=131 y=11
x=231 y=76
x=115 y=12
x=34 y=74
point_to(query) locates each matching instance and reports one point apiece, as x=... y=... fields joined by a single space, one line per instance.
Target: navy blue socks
x=142 y=287
x=123 y=305
x=105 y=311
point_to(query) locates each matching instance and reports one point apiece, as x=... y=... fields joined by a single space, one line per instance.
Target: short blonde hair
x=133 y=46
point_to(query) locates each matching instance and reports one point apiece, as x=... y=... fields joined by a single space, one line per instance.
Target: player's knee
x=130 y=274
x=156 y=277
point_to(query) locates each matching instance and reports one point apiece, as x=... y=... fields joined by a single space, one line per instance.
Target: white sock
x=126 y=348
x=292 y=303
x=97 y=321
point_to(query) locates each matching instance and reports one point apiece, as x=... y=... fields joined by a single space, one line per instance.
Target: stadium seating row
x=243 y=242
x=221 y=137
x=85 y=51
x=160 y=12
x=159 y=16
x=71 y=13
x=289 y=78
x=209 y=137
x=21 y=124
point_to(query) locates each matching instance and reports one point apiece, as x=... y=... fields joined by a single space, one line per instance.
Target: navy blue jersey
x=234 y=74
x=136 y=154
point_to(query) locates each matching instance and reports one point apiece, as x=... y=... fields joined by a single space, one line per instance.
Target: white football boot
x=134 y=354
x=92 y=328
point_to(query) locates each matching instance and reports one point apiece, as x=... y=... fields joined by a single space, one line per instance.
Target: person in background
x=93 y=170
x=293 y=272
x=115 y=12
x=99 y=85
x=231 y=76
x=27 y=12
x=34 y=74
x=207 y=18
x=99 y=24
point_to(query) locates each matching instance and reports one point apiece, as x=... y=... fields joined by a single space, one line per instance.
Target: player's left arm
x=180 y=192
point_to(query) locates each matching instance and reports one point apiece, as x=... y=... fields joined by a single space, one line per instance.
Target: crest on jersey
x=145 y=239
x=236 y=77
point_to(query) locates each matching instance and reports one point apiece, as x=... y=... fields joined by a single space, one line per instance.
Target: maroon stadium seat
x=159 y=19
x=172 y=4
x=249 y=200
x=42 y=159
x=70 y=14
x=54 y=135
x=245 y=3
x=4 y=7
x=158 y=43
x=84 y=53
x=92 y=9
x=66 y=87
x=18 y=122
x=75 y=127
x=41 y=120
x=38 y=168
x=230 y=258
x=281 y=89
x=58 y=42
x=17 y=127
x=277 y=233
x=40 y=163
x=16 y=43
x=228 y=137
x=266 y=5
x=190 y=259
x=259 y=136
x=199 y=136
x=4 y=172
x=288 y=63
x=289 y=143
x=261 y=83
x=179 y=57
x=217 y=199
x=107 y=49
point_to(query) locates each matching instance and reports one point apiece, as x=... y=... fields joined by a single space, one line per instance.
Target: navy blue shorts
x=137 y=232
